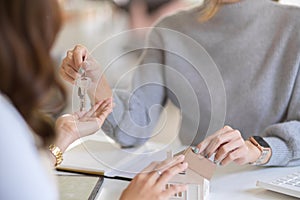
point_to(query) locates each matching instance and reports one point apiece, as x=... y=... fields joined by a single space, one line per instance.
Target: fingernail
x=180 y=157
x=217 y=162
x=196 y=150
x=184 y=164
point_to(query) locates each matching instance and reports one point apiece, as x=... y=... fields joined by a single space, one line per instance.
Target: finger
x=79 y=54
x=92 y=111
x=162 y=166
x=220 y=140
x=174 y=189
x=169 y=173
x=104 y=109
x=237 y=156
x=103 y=117
x=153 y=174
x=79 y=114
x=70 y=71
x=203 y=145
x=225 y=149
x=69 y=59
x=149 y=173
x=65 y=76
x=86 y=115
x=107 y=103
x=150 y=168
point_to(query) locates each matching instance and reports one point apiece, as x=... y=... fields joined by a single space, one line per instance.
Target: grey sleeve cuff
x=118 y=125
x=285 y=143
x=280 y=152
x=110 y=123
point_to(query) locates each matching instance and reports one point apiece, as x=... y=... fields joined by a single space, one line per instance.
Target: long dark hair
x=27 y=72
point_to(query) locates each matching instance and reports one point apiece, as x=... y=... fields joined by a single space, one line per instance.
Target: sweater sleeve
x=138 y=109
x=284 y=138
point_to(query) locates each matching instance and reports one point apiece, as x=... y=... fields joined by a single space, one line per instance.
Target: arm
x=136 y=111
x=283 y=138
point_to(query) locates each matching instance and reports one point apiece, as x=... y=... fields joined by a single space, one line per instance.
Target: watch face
x=261 y=141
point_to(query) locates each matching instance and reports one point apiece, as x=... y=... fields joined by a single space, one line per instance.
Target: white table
x=231 y=182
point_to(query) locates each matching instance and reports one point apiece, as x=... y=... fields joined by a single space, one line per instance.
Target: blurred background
x=91 y=22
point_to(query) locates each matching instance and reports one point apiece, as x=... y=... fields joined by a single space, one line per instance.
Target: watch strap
x=57 y=154
x=264 y=151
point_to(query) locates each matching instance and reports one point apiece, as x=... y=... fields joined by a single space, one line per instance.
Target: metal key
x=82 y=83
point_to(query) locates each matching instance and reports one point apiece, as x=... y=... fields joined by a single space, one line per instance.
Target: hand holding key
x=71 y=71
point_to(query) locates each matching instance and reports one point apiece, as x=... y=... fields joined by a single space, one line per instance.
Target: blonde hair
x=209 y=9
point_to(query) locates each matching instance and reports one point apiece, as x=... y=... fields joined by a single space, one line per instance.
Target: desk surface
x=231 y=182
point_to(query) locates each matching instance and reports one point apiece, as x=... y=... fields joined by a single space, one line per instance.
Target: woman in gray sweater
x=232 y=63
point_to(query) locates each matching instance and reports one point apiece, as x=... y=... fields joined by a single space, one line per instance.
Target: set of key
x=83 y=83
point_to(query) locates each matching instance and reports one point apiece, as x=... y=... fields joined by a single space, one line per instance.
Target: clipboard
x=79 y=187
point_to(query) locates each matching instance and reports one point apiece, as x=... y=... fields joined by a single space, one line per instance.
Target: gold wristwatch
x=57 y=154
x=263 y=147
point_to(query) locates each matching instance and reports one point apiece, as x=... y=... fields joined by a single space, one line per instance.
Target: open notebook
x=104 y=158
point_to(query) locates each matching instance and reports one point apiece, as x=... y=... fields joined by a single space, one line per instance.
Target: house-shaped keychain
x=197 y=177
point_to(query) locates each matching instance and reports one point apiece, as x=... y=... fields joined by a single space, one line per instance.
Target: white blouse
x=23 y=172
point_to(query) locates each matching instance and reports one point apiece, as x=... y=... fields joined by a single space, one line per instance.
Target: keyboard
x=289 y=185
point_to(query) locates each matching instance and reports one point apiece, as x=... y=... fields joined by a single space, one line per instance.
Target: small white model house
x=197 y=176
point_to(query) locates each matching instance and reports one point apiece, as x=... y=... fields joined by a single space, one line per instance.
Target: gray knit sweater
x=241 y=68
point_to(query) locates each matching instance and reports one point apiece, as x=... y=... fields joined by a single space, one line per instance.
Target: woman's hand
x=80 y=58
x=74 y=61
x=150 y=184
x=72 y=127
x=228 y=146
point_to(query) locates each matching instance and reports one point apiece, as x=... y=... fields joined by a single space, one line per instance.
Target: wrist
x=254 y=152
x=264 y=149
x=99 y=90
x=63 y=141
x=57 y=154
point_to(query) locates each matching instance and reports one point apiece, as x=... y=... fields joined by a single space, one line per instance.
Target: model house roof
x=199 y=168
